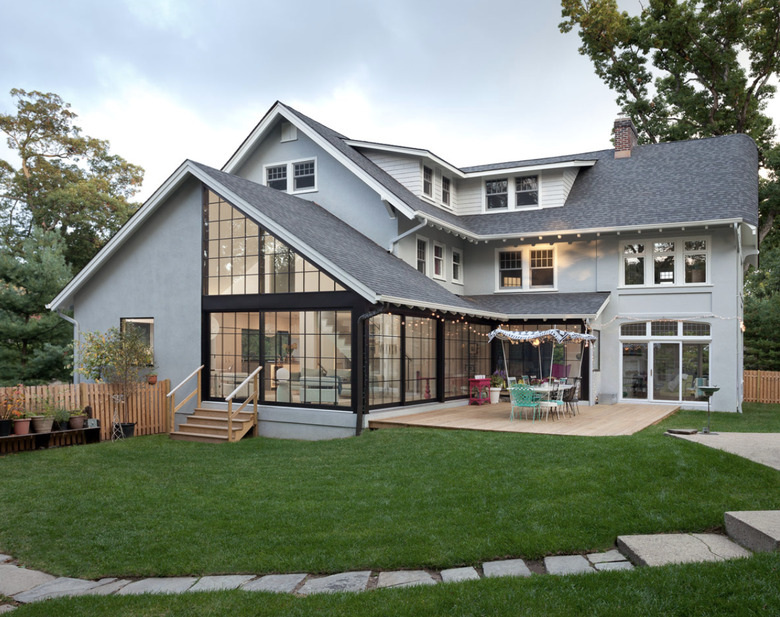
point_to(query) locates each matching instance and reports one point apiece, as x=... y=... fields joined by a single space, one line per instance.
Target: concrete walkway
x=761 y=448
x=758 y=531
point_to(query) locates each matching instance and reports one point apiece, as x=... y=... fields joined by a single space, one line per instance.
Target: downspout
x=363 y=383
x=740 y=317
x=394 y=241
x=76 y=336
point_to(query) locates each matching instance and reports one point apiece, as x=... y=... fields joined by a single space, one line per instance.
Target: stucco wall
x=156 y=273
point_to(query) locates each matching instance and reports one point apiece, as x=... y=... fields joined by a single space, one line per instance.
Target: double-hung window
x=496 y=194
x=542 y=268
x=526 y=191
x=526 y=268
x=438 y=260
x=422 y=255
x=510 y=269
x=445 y=190
x=428 y=181
x=457 y=266
x=303 y=174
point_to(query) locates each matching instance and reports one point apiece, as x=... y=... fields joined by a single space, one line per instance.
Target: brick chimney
x=625 y=138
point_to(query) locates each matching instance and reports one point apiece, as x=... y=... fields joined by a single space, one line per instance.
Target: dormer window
x=526 y=191
x=497 y=196
x=428 y=181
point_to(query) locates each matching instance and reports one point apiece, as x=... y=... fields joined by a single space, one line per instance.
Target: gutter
x=76 y=336
x=394 y=241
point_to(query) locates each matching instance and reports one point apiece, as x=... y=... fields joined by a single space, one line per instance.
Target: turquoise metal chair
x=523 y=397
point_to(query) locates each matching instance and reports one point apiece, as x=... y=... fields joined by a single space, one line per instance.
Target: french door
x=664 y=370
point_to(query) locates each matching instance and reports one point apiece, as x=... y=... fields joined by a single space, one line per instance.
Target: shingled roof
x=670 y=184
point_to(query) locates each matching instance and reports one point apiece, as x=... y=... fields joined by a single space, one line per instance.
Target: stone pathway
x=758 y=531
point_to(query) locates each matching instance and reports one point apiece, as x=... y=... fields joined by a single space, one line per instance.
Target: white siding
x=405 y=169
x=569 y=176
x=551 y=189
x=470 y=196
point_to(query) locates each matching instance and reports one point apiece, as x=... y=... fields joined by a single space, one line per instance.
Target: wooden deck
x=595 y=421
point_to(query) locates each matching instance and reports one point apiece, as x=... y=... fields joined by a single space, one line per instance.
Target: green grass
x=389 y=499
x=741 y=587
x=755 y=418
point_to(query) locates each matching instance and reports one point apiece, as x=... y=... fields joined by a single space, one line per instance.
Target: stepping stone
x=218 y=583
x=5 y=559
x=663 y=549
x=614 y=565
x=346 y=581
x=404 y=578
x=278 y=583
x=174 y=584
x=14 y=579
x=107 y=588
x=757 y=530
x=567 y=564
x=613 y=555
x=57 y=588
x=506 y=567
x=454 y=575
x=6 y=608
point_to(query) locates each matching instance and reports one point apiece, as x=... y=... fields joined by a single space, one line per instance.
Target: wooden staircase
x=211 y=425
x=216 y=424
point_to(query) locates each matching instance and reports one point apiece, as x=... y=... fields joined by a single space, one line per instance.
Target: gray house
x=363 y=276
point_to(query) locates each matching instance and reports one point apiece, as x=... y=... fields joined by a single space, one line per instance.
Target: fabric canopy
x=553 y=334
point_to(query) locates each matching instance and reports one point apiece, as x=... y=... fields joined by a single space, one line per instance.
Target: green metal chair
x=523 y=397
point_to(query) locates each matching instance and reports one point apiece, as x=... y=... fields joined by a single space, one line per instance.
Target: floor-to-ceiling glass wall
x=420 y=359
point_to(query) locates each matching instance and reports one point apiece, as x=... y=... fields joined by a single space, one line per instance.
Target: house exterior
x=363 y=276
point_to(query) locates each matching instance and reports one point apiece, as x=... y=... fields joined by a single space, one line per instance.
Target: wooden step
x=184 y=436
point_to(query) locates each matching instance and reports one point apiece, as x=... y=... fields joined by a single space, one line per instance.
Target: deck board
x=592 y=421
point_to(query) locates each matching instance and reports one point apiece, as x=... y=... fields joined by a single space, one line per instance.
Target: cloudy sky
x=165 y=80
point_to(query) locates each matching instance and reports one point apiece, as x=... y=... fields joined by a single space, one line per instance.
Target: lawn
x=389 y=499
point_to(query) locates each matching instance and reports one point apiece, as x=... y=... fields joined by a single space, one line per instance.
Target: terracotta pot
x=76 y=422
x=22 y=426
x=151 y=379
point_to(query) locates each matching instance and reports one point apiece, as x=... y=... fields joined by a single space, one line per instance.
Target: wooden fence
x=762 y=387
x=147 y=406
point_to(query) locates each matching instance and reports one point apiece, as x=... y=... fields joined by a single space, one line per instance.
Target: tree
x=689 y=69
x=64 y=181
x=35 y=343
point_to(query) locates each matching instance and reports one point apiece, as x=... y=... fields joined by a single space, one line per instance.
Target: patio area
x=592 y=421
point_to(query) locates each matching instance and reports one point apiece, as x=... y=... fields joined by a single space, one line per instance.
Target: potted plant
x=21 y=422
x=43 y=421
x=496 y=384
x=62 y=417
x=151 y=378
x=77 y=418
x=121 y=358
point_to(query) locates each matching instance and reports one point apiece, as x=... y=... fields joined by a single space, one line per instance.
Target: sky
x=167 y=80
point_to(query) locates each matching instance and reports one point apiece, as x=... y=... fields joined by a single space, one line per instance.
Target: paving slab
x=6 y=608
x=346 y=581
x=174 y=584
x=506 y=567
x=663 y=549
x=404 y=578
x=219 y=583
x=613 y=555
x=613 y=565
x=278 y=583
x=567 y=564
x=14 y=579
x=454 y=575
x=761 y=448
x=57 y=588
x=107 y=588
x=757 y=530
x=5 y=558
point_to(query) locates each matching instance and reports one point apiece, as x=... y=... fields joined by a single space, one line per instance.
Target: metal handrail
x=172 y=395
x=252 y=397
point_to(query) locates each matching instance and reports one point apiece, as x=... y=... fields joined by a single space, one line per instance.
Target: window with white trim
x=422 y=255
x=445 y=190
x=145 y=328
x=438 y=260
x=303 y=174
x=457 y=266
x=665 y=262
x=496 y=195
x=526 y=191
x=542 y=268
x=526 y=268
x=428 y=181
x=510 y=270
